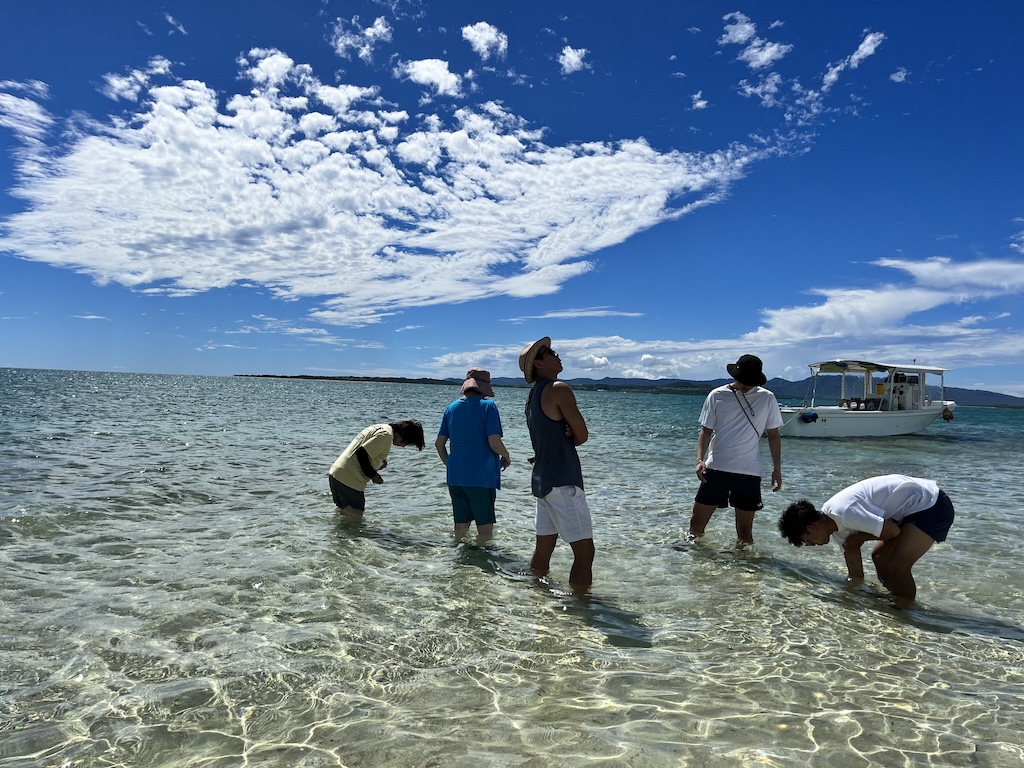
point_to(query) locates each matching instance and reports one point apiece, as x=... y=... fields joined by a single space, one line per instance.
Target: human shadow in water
x=926 y=617
x=350 y=527
x=835 y=590
x=620 y=626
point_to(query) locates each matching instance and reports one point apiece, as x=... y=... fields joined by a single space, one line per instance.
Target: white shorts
x=564 y=511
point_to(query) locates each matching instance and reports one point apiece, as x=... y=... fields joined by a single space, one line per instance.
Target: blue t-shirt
x=467 y=423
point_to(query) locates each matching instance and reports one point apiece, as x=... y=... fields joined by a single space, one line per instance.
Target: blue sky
x=418 y=188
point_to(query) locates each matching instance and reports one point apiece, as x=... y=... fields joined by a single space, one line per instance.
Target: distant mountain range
x=828 y=387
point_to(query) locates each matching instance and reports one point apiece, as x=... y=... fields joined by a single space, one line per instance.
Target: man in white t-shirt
x=732 y=421
x=905 y=514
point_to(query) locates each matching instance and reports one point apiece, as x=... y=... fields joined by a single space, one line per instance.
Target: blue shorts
x=936 y=520
x=471 y=504
x=345 y=496
x=723 y=489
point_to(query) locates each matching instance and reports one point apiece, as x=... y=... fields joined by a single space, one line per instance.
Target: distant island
x=828 y=387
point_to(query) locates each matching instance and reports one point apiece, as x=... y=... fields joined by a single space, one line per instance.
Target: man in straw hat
x=732 y=421
x=556 y=428
x=478 y=455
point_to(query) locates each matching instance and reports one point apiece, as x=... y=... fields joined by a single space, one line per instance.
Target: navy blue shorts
x=345 y=496
x=936 y=520
x=724 y=489
x=471 y=504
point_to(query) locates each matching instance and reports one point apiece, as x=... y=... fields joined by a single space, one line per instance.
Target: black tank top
x=556 y=460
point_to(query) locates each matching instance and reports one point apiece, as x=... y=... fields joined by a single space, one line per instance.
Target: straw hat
x=529 y=354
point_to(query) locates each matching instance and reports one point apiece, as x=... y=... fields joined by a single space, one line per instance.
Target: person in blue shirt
x=477 y=457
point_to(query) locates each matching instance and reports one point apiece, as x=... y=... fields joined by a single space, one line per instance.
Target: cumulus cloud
x=757 y=52
x=486 y=40
x=766 y=90
x=697 y=101
x=899 y=76
x=886 y=323
x=350 y=37
x=326 y=192
x=433 y=74
x=572 y=60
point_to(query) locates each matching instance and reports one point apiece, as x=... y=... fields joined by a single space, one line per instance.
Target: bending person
x=906 y=515
x=362 y=461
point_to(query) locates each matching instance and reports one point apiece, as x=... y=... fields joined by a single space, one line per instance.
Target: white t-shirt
x=865 y=506
x=738 y=420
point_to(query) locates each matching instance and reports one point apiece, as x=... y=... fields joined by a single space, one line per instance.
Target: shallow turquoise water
x=176 y=589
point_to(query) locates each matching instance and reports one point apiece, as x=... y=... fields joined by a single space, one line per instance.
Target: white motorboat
x=879 y=400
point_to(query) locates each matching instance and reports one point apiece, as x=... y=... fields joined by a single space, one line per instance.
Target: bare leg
x=352 y=512
x=484 y=533
x=700 y=517
x=582 y=574
x=745 y=526
x=540 y=563
x=461 y=530
x=895 y=558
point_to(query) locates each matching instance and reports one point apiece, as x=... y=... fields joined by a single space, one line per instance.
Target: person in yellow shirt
x=362 y=461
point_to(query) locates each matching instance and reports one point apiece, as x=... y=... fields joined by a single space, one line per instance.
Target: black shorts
x=345 y=496
x=725 y=489
x=936 y=520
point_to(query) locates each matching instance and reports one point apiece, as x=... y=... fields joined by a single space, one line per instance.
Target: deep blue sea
x=178 y=589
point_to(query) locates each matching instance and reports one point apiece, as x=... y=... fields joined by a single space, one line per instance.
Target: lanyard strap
x=750 y=421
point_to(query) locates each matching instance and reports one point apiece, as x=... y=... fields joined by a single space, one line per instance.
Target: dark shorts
x=345 y=496
x=725 y=489
x=472 y=504
x=936 y=520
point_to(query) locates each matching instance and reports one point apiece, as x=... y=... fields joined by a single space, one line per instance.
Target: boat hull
x=834 y=421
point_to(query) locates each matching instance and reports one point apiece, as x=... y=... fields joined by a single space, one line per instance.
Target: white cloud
x=130 y=85
x=349 y=37
x=867 y=48
x=431 y=73
x=317 y=191
x=738 y=31
x=762 y=53
x=564 y=314
x=889 y=323
x=177 y=25
x=486 y=40
x=758 y=53
x=766 y=90
x=698 y=101
x=29 y=121
x=899 y=76
x=572 y=60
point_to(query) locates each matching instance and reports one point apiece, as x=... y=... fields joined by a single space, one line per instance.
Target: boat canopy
x=862 y=366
